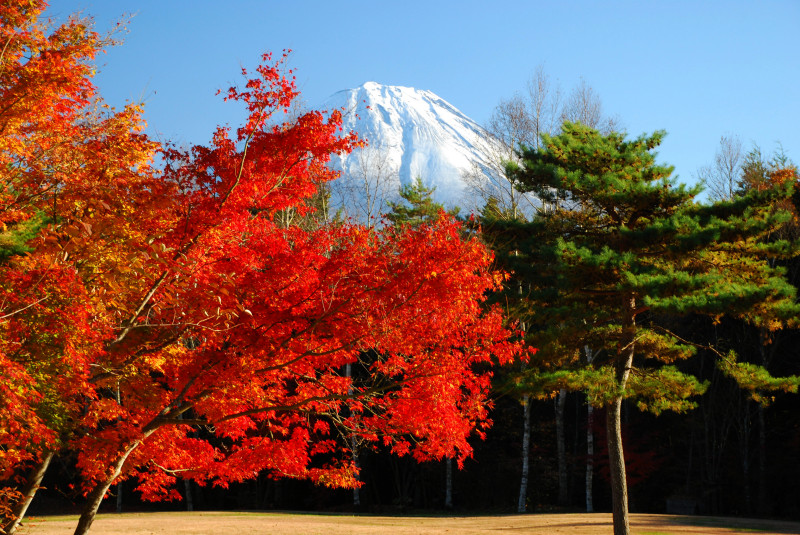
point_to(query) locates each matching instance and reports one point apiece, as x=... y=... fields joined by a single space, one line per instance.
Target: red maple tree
x=247 y=325
x=167 y=321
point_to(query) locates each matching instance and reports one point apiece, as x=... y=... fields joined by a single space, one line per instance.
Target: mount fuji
x=411 y=134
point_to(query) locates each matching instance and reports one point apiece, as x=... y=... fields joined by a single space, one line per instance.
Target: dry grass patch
x=241 y=523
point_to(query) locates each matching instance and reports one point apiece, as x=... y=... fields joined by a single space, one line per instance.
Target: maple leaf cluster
x=160 y=320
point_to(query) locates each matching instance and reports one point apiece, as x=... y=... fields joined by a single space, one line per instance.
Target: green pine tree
x=623 y=245
x=416 y=207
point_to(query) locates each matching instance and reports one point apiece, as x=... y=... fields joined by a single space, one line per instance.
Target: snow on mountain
x=411 y=133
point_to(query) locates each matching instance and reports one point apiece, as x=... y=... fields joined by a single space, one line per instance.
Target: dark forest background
x=728 y=456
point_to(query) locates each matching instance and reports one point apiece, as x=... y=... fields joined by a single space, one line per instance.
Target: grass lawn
x=247 y=523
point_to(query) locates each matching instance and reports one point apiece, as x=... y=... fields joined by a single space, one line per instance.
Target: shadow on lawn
x=744 y=525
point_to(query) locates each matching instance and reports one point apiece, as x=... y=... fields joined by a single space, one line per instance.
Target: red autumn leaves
x=162 y=320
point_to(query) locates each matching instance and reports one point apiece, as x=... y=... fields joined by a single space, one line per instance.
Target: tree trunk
x=589 y=459
x=522 y=501
x=526 y=444
x=119 y=485
x=28 y=492
x=589 y=442
x=356 y=490
x=348 y=372
x=744 y=450
x=561 y=440
x=616 y=458
x=187 y=486
x=448 y=485
x=98 y=493
x=762 y=462
x=404 y=480
x=616 y=461
x=767 y=349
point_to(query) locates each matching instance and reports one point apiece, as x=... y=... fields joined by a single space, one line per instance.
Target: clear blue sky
x=697 y=69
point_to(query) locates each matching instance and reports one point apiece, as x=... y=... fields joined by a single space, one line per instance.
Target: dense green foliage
x=416 y=207
x=621 y=246
x=626 y=245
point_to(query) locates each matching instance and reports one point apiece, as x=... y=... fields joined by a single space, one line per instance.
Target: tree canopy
x=416 y=206
x=165 y=318
x=623 y=245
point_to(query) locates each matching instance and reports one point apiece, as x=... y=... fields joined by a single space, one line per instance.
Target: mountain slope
x=411 y=133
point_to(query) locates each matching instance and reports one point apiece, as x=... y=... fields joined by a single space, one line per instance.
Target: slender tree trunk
x=589 y=442
x=522 y=501
x=119 y=485
x=762 y=462
x=561 y=440
x=356 y=490
x=589 y=459
x=745 y=452
x=97 y=494
x=404 y=478
x=119 y=497
x=767 y=349
x=526 y=444
x=448 y=485
x=348 y=372
x=187 y=486
x=616 y=457
x=28 y=492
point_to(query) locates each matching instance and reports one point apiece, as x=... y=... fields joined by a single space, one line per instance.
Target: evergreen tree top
x=625 y=243
x=416 y=207
x=611 y=178
x=623 y=226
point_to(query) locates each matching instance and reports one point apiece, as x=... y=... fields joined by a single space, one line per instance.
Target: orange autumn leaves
x=160 y=319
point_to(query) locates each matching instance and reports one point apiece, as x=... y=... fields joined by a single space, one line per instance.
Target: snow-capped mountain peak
x=411 y=133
